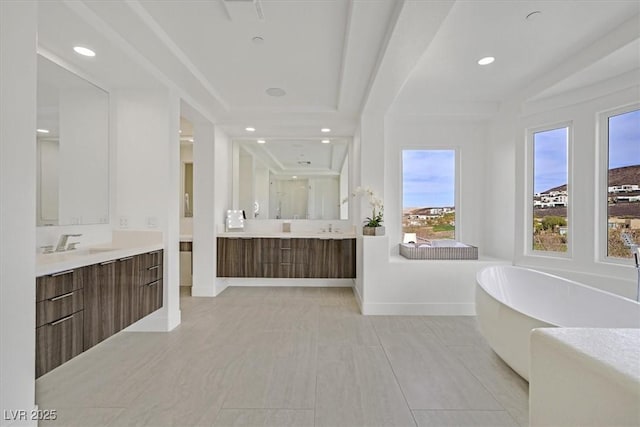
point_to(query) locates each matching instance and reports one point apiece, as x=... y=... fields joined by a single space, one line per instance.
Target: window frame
x=529 y=191
x=602 y=176
x=456 y=188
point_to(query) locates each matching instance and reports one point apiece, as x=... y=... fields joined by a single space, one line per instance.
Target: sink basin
x=90 y=251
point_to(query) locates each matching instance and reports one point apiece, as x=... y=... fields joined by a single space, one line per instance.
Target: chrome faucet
x=62 y=242
x=635 y=250
x=330 y=228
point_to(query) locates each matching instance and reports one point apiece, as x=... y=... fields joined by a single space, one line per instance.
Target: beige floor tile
x=356 y=387
x=81 y=417
x=400 y=323
x=287 y=356
x=508 y=388
x=464 y=419
x=430 y=376
x=264 y=418
x=456 y=330
x=278 y=372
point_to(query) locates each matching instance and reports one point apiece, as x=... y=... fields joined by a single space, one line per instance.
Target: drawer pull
x=154 y=267
x=285 y=249
x=108 y=262
x=64 y=319
x=61 y=297
x=126 y=258
x=155 y=282
x=62 y=273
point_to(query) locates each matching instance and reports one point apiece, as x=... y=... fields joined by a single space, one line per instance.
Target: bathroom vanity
x=78 y=307
x=287 y=256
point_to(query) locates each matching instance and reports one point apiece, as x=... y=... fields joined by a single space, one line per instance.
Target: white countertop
x=61 y=261
x=292 y=235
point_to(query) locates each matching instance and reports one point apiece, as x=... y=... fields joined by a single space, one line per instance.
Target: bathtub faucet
x=635 y=250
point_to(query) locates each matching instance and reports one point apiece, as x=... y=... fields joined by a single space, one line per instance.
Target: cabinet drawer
x=58 y=341
x=151 y=274
x=57 y=284
x=57 y=307
x=151 y=259
x=150 y=297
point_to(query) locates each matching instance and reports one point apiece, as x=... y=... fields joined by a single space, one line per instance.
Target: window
x=550 y=190
x=623 y=181
x=429 y=194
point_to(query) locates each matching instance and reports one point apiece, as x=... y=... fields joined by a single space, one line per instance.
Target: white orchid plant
x=376 y=218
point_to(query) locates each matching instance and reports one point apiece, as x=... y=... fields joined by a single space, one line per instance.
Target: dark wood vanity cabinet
x=286 y=257
x=333 y=259
x=59 y=319
x=79 y=308
x=150 y=292
x=100 y=319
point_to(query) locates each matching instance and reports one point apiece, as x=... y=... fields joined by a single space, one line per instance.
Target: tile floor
x=281 y=357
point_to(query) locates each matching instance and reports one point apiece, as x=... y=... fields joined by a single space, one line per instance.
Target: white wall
x=499 y=205
x=469 y=139
x=148 y=178
x=583 y=262
x=212 y=190
x=18 y=27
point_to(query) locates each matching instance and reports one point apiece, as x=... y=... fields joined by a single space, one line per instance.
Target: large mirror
x=72 y=149
x=292 y=179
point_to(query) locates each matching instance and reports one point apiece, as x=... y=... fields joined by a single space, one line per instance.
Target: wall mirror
x=291 y=179
x=72 y=149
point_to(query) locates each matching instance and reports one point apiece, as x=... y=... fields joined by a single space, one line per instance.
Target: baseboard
x=417 y=309
x=203 y=291
x=356 y=293
x=258 y=281
x=158 y=321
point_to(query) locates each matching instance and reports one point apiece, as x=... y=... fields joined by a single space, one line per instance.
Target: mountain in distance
x=617 y=176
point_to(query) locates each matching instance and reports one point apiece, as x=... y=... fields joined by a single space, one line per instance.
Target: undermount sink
x=90 y=251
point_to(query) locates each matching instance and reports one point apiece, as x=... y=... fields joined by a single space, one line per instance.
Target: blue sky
x=428 y=178
x=550 y=159
x=624 y=140
x=550 y=150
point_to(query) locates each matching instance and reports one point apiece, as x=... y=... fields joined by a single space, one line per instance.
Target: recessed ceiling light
x=257 y=40
x=325 y=141
x=294 y=177
x=261 y=141
x=84 y=51
x=250 y=129
x=276 y=91
x=179 y=130
x=325 y=130
x=486 y=60
x=42 y=130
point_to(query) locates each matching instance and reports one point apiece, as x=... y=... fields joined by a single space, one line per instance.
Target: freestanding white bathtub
x=511 y=301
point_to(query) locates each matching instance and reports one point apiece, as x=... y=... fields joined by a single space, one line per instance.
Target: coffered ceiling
x=334 y=58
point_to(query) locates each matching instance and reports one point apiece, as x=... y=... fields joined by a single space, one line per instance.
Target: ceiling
x=304 y=157
x=336 y=58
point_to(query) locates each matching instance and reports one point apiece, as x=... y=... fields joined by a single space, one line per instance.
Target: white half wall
x=399 y=286
x=18 y=29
